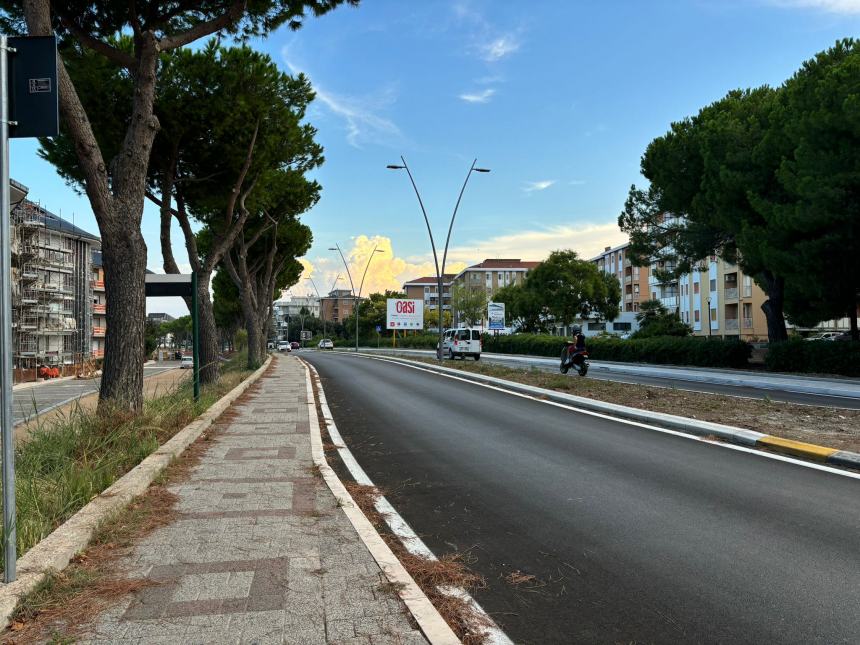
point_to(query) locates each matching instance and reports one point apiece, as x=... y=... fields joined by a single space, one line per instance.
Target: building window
x=713 y=314
x=501 y=278
x=695 y=287
x=622 y=326
x=696 y=315
x=596 y=326
x=713 y=284
x=653 y=295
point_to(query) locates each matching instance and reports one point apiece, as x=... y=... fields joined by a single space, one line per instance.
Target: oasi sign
x=404 y=314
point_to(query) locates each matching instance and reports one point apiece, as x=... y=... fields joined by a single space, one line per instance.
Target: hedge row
x=668 y=350
x=814 y=357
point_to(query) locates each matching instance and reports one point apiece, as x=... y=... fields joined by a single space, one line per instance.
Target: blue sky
x=559 y=98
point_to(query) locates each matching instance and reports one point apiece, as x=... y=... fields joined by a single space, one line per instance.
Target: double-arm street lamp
x=356 y=297
x=440 y=272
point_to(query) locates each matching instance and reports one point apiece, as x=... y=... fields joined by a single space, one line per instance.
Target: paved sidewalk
x=259 y=551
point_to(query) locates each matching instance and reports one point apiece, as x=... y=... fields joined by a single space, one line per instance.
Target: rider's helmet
x=577 y=330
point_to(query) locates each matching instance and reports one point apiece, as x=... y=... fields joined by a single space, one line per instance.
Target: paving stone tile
x=259 y=551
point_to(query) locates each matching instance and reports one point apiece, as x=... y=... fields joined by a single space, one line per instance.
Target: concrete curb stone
x=55 y=551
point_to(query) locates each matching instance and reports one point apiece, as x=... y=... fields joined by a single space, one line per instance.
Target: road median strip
x=740 y=436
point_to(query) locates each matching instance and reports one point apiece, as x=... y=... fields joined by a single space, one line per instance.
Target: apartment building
x=718 y=299
x=99 y=327
x=427 y=289
x=52 y=297
x=493 y=274
x=289 y=307
x=337 y=305
x=634 y=282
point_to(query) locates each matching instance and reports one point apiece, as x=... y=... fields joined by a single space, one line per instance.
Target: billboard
x=404 y=314
x=496 y=315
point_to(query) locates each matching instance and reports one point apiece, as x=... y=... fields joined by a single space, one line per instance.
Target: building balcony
x=98 y=353
x=628 y=279
x=748 y=323
x=99 y=332
x=731 y=293
x=731 y=324
x=628 y=297
x=99 y=285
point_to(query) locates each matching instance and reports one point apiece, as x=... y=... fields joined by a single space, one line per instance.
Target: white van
x=461 y=342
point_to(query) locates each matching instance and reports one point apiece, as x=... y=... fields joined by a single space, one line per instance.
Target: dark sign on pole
x=33 y=109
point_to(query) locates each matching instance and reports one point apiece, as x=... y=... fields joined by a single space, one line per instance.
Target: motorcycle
x=575 y=358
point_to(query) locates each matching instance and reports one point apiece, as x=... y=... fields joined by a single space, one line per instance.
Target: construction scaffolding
x=51 y=292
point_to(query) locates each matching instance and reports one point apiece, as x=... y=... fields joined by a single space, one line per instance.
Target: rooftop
x=430 y=279
x=504 y=263
x=57 y=223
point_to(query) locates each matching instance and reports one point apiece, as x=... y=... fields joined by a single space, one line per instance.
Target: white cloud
x=498 y=48
x=532 y=186
x=588 y=240
x=480 y=97
x=360 y=114
x=386 y=270
x=831 y=6
x=576 y=182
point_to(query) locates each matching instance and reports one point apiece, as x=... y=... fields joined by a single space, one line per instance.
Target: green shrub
x=667 y=350
x=814 y=357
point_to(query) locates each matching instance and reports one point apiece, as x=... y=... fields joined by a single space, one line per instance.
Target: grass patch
x=63 y=464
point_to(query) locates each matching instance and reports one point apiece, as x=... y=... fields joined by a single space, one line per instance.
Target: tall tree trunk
x=210 y=366
x=773 y=308
x=124 y=256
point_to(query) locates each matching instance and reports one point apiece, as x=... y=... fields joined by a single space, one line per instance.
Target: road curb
x=741 y=436
x=429 y=620
x=54 y=552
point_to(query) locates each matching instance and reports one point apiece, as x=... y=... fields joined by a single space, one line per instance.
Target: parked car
x=294 y=345
x=326 y=343
x=187 y=363
x=461 y=342
x=284 y=346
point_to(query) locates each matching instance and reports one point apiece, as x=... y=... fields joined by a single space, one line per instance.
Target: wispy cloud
x=576 y=182
x=360 y=114
x=479 y=97
x=532 y=186
x=498 y=48
x=831 y=6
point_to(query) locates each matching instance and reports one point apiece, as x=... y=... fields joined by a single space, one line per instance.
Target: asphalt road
x=32 y=401
x=681 y=379
x=633 y=535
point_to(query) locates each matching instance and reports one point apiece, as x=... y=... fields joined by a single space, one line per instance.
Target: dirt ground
x=155 y=385
x=835 y=428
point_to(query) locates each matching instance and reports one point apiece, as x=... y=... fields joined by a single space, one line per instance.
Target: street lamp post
x=355 y=296
x=709 y=317
x=439 y=272
x=319 y=300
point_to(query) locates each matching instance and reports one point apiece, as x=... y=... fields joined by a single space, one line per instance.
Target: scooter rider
x=578 y=338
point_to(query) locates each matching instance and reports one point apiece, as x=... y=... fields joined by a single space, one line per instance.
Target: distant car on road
x=294 y=345
x=828 y=335
x=326 y=343
x=187 y=363
x=461 y=342
x=284 y=346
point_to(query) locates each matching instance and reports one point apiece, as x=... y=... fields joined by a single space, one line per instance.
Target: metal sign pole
x=9 y=514
x=195 y=330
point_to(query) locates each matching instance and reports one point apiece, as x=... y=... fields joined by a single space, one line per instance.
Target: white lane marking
x=638 y=424
x=398 y=526
x=431 y=623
